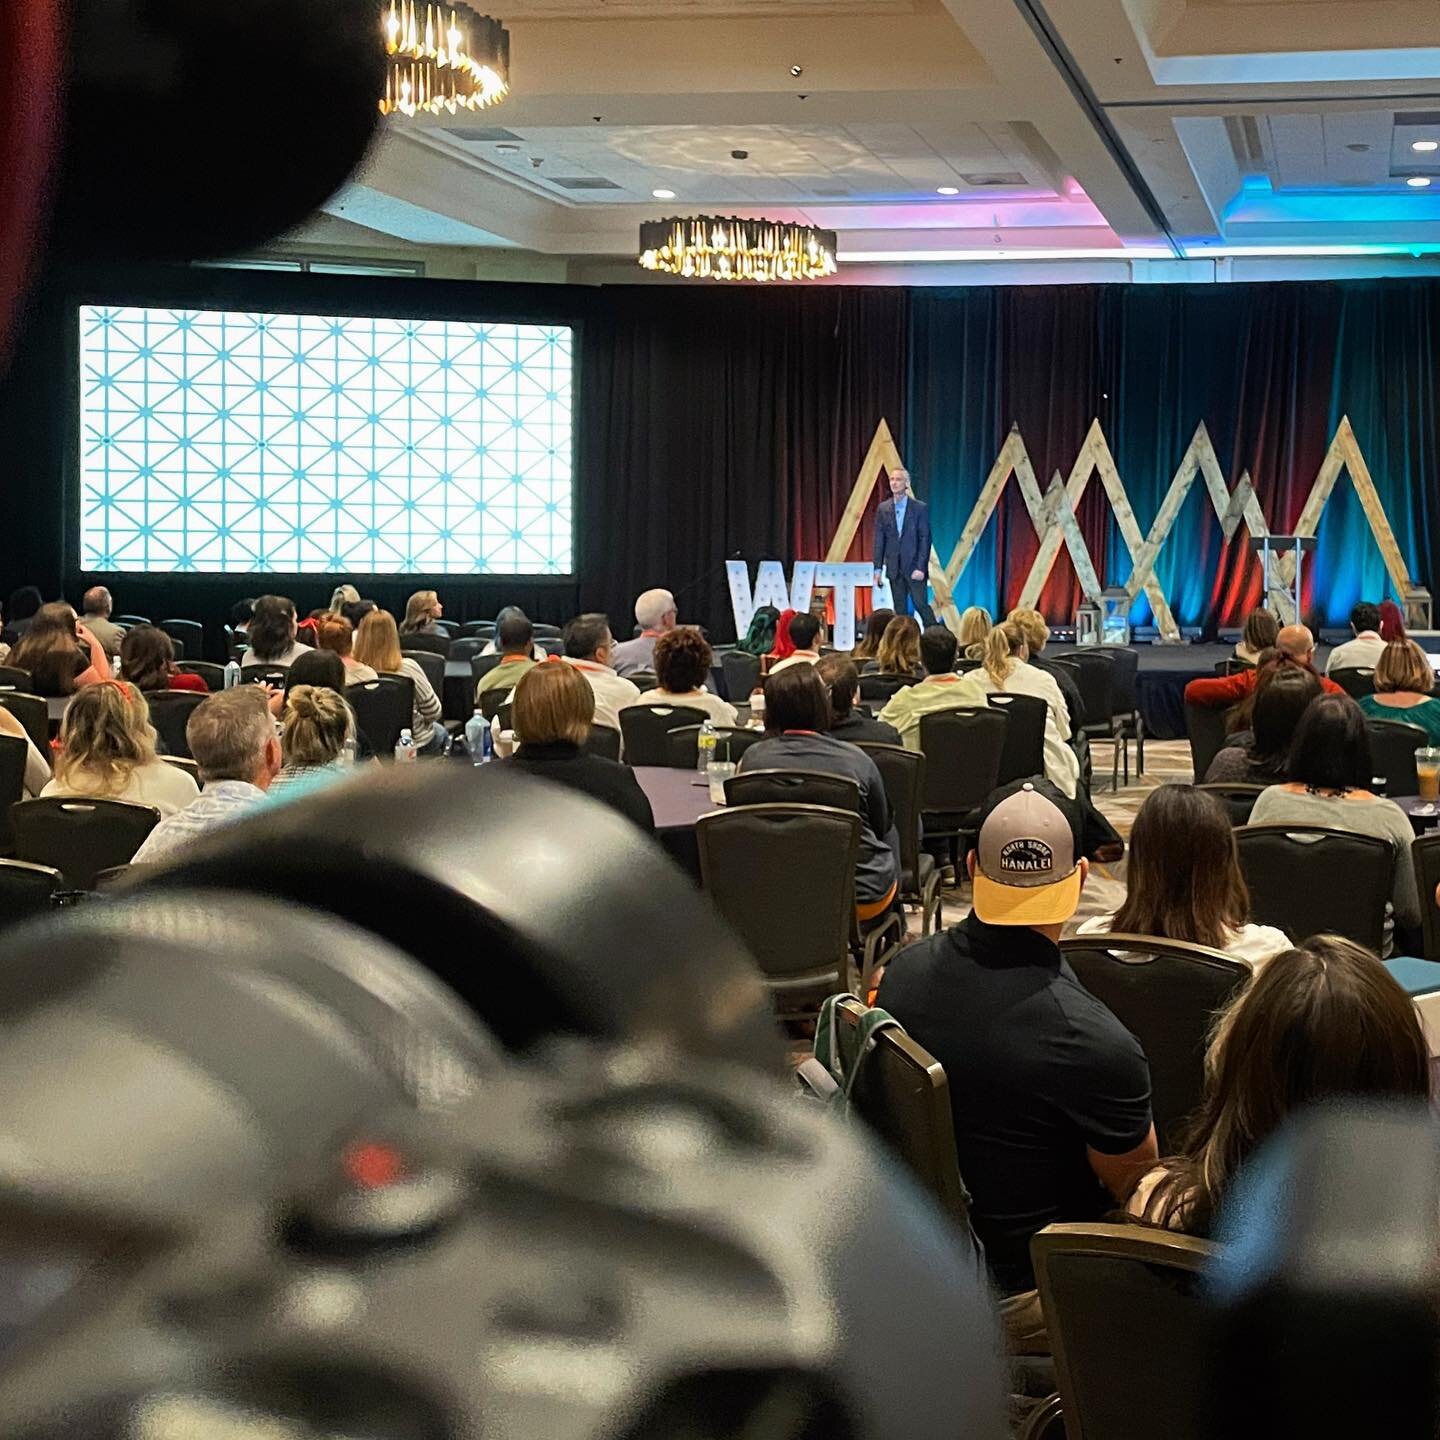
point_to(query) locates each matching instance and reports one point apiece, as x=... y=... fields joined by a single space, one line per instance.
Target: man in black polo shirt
x=1050 y=1093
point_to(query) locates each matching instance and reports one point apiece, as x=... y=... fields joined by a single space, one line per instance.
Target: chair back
x=793 y=787
x=383 y=708
x=963 y=751
x=543 y=631
x=1131 y=1330
x=1238 y=800
x=433 y=644
x=901 y=1093
x=1233 y=666
x=1024 y=752
x=1205 y=728
x=1355 y=680
x=13 y=679
x=741 y=671
x=646 y=730
x=33 y=713
x=1425 y=855
x=1096 y=679
x=483 y=629
x=603 y=740
x=550 y=644
x=1124 y=670
x=1166 y=994
x=129 y=620
x=80 y=838
x=265 y=674
x=449 y=627
x=170 y=712
x=213 y=675
x=683 y=745
x=26 y=890
x=1307 y=880
x=749 y=858
x=190 y=767
x=492 y=699
x=882 y=687
x=644 y=680
x=482 y=665
x=430 y=661
x=14 y=752
x=506 y=712
x=905 y=775
x=467 y=647
x=188 y=637
x=1393 y=744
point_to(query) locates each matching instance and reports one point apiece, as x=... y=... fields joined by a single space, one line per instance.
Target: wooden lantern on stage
x=1115 y=616
x=1088 y=620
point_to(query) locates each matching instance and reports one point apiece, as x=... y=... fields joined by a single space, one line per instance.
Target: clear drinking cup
x=717 y=772
x=1427 y=771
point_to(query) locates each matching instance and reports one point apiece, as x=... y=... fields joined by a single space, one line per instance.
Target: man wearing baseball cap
x=1050 y=1093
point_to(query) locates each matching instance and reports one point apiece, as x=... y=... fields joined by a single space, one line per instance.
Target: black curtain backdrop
x=712 y=421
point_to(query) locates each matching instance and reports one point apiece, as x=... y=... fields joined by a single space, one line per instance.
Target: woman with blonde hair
x=1261 y=632
x=317 y=723
x=1404 y=682
x=378 y=646
x=341 y=596
x=975 y=625
x=107 y=752
x=1036 y=631
x=421 y=613
x=899 y=652
x=869 y=644
x=1003 y=670
x=59 y=653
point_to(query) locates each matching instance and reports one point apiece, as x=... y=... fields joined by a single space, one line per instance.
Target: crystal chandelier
x=442 y=59
x=708 y=247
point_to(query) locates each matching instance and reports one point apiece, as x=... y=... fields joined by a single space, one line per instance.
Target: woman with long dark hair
x=869 y=644
x=59 y=652
x=272 y=633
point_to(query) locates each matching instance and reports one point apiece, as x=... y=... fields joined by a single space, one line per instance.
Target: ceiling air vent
x=480 y=134
x=583 y=182
x=1002 y=178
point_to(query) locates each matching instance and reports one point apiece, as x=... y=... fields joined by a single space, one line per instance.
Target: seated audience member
x=1404 y=686
x=378 y=646
x=588 y=646
x=805 y=637
x=242 y=612
x=1037 y=636
x=232 y=737
x=341 y=596
x=869 y=643
x=655 y=615
x=1183 y=881
x=37 y=765
x=317 y=723
x=840 y=677
x=682 y=666
x=784 y=646
x=1259 y=756
x=797 y=722
x=1365 y=649
x=899 y=649
x=107 y=752
x=1330 y=771
x=1294 y=642
x=941 y=689
x=60 y=653
x=975 y=625
x=272 y=633
x=95 y=608
x=508 y=612
x=1049 y=1093
x=1261 y=632
x=20 y=611
x=1324 y=1021
x=515 y=637
x=1392 y=622
x=553 y=710
x=355 y=612
x=1004 y=670
x=422 y=610
x=337 y=635
x=147 y=661
x=760 y=637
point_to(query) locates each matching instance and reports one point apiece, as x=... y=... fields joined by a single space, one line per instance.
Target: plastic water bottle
x=348 y=753
x=232 y=674
x=705 y=746
x=478 y=740
x=405 y=748
x=757 y=708
x=115 y=668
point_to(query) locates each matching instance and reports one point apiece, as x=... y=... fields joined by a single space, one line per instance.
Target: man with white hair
x=655 y=614
x=95 y=612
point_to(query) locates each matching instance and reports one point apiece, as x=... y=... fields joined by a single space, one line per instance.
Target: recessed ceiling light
x=947 y=190
x=663 y=194
x=1425 y=146
x=1419 y=182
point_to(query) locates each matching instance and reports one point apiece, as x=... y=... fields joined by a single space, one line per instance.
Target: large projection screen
x=212 y=441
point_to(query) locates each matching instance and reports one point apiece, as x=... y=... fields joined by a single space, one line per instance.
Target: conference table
x=678 y=799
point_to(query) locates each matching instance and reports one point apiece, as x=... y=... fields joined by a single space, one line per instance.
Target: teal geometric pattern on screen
x=213 y=441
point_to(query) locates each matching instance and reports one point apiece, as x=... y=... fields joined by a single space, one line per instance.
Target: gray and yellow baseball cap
x=1027 y=862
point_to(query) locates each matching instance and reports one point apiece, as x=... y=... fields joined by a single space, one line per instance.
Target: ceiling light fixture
x=947 y=190
x=442 y=59
x=709 y=247
x=1424 y=147
x=1419 y=182
x=663 y=194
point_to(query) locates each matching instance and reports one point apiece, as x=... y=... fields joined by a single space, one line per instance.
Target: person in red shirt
x=1294 y=643
x=147 y=661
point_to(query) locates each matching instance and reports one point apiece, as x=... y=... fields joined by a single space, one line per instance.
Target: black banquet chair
x=435 y=644
x=962 y=751
x=213 y=675
x=33 y=714
x=80 y=838
x=646 y=730
x=383 y=708
x=1024 y=752
x=430 y=661
x=1307 y=880
x=793 y=787
x=742 y=674
x=1166 y=994
x=1355 y=680
x=13 y=679
x=170 y=712
x=1238 y=799
x=877 y=689
x=1393 y=744
x=188 y=637
x=27 y=890
x=1205 y=729
x=14 y=753
x=467 y=647
x=904 y=773
x=603 y=740
x=1425 y=854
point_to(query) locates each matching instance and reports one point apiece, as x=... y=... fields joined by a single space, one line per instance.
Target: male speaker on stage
x=902 y=546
